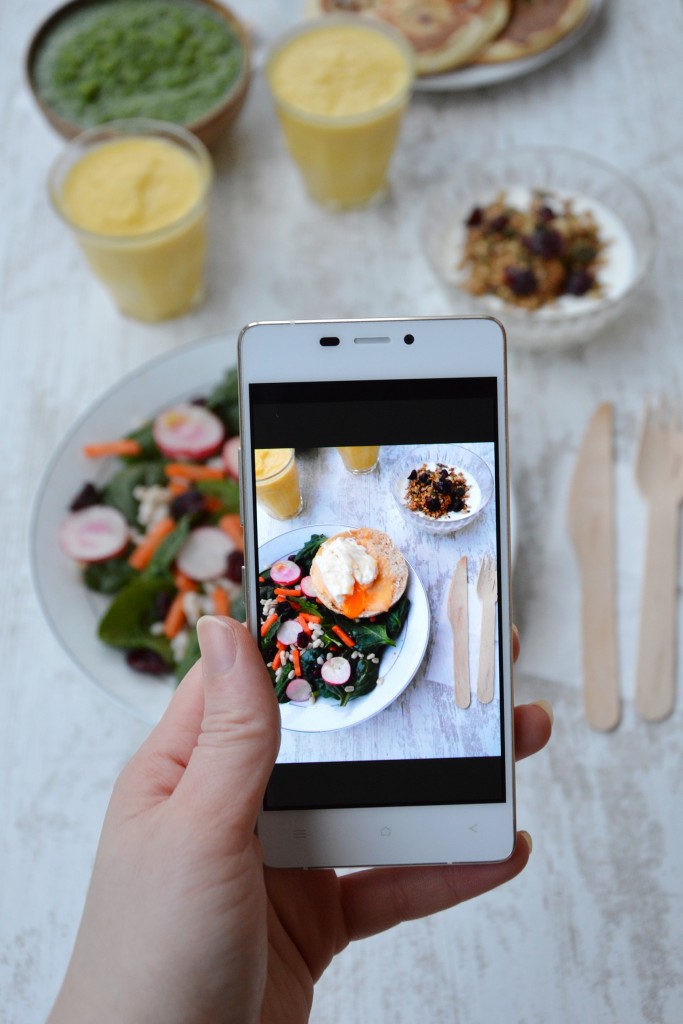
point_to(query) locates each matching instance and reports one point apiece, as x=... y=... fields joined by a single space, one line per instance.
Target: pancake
x=444 y=33
x=384 y=591
x=534 y=26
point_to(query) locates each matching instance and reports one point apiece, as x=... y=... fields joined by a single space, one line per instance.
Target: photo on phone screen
x=378 y=540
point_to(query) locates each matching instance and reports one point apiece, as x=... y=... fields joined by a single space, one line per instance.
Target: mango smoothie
x=360 y=458
x=340 y=90
x=135 y=194
x=277 y=482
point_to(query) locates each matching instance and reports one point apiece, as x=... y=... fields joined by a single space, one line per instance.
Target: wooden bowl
x=209 y=128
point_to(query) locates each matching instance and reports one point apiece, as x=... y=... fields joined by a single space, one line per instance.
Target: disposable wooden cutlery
x=487 y=589
x=659 y=474
x=458 y=616
x=592 y=530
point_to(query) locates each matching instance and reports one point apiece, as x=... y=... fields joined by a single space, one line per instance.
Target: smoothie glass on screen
x=341 y=86
x=135 y=195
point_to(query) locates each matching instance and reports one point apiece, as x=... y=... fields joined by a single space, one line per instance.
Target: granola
x=437 y=491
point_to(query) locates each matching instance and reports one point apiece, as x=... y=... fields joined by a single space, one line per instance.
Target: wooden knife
x=458 y=616
x=591 y=527
x=487 y=589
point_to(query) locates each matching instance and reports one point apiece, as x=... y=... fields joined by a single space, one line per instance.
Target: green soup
x=168 y=59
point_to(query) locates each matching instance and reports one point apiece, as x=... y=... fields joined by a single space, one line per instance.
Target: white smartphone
x=374 y=487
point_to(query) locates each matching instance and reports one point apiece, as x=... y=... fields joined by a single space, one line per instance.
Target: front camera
x=409 y=339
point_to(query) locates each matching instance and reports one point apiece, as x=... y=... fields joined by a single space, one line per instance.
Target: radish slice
x=231 y=457
x=299 y=691
x=188 y=432
x=308 y=588
x=289 y=631
x=285 y=572
x=336 y=671
x=94 y=534
x=204 y=555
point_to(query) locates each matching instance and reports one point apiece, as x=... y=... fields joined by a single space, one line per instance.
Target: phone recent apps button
x=299 y=833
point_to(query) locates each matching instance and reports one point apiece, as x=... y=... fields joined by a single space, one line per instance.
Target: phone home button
x=385 y=832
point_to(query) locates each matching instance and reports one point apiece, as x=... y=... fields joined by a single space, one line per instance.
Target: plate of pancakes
x=398 y=664
x=464 y=44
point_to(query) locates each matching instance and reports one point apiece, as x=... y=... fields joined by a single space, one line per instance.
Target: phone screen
x=379 y=548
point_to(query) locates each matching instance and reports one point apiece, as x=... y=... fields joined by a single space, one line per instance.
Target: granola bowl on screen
x=441 y=488
x=551 y=242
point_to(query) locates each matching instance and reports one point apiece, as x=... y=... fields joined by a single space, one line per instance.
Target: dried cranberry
x=544 y=242
x=162 y=602
x=412 y=475
x=287 y=612
x=546 y=213
x=424 y=478
x=190 y=503
x=302 y=639
x=87 y=496
x=579 y=282
x=433 y=504
x=234 y=564
x=459 y=492
x=457 y=504
x=443 y=486
x=521 y=280
x=142 y=660
x=499 y=223
x=475 y=217
x=443 y=474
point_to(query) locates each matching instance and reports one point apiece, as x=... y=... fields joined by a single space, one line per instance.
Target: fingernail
x=547 y=707
x=527 y=840
x=217 y=644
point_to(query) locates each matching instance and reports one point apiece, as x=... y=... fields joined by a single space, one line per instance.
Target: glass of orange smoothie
x=277 y=482
x=135 y=195
x=340 y=87
x=360 y=458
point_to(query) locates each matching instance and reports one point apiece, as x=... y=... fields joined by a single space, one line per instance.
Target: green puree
x=166 y=59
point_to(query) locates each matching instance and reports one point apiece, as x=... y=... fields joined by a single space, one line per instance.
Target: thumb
x=226 y=775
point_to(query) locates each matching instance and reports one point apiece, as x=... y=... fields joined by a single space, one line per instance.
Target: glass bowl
x=451 y=456
x=621 y=210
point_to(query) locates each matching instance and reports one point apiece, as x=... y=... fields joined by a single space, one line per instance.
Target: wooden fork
x=659 y=474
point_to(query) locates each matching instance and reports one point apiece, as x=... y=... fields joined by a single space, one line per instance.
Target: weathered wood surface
x=593 y=930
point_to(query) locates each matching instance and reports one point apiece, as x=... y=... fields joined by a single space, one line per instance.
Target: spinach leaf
x=223 y=401
x=119 y=490
x=226 y=491
x=167 y=552
x=366 y=675
x=109 y=576
x=145 y=438
x=191 y=655
x=127 y=620
x=396 y=616
x=368 y=635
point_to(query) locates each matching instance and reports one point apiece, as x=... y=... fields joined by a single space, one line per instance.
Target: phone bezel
x=476 y=346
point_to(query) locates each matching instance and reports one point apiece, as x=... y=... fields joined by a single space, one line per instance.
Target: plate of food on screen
x=344 y=624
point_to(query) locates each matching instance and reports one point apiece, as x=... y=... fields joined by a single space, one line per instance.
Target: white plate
x=476 y=75
x=398 y=664
x=71 y=609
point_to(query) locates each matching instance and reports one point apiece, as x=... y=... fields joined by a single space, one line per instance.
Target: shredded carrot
x=268 y=623
x=304 y=625
x=175 y=616
x=262 y=579
x=276 y=661
x=125 y=446
x=230 y=524
x=221 y=601
x=296 y=661
x=280 y=645
x=177 y=487
x=285 y=592
x=192 y=471
x=212 y=504
x=280 y=599
x=142 y=555
x=309 y=618
x=344 y=637
x=183 y=582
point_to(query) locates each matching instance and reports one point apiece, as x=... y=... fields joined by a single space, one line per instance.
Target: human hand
x=182 y=922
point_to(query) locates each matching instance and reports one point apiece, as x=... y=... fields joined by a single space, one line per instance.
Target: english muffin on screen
x=359 y=573
x=444 y=33
x=534 y=25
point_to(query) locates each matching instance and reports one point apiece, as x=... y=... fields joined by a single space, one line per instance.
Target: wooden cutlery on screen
x=458 y=616
x=487 y=589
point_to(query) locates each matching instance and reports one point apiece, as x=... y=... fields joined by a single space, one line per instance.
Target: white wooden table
x=593 y=930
